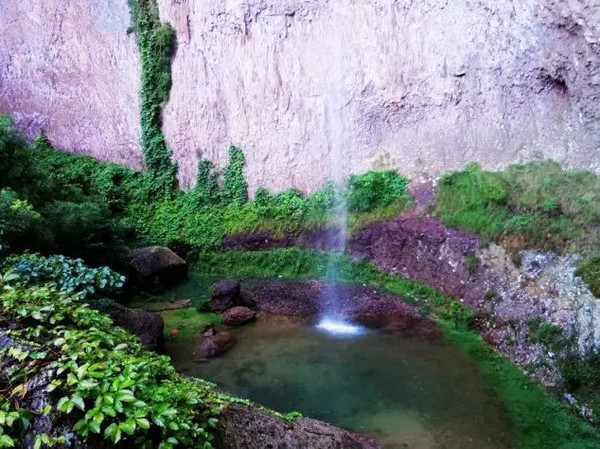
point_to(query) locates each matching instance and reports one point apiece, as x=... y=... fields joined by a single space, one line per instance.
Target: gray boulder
x=156 y=264
x=225 y=295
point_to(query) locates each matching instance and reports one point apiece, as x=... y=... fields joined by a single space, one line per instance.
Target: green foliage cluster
x=51 y=200
x=69 y=276
x=201 y=217
x=104 y=385
x=588 y=269
x=540 y=419
x=84 y=207
x=156 y=42
x=18 y=220
x=235 y=187
x=543 y=205
x=375 y=189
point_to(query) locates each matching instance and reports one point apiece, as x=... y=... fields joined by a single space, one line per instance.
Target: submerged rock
x=157 y=264
x=237 y=316
x=208 y=330
x=214 y=345
x=250 y=427
x=225 y=295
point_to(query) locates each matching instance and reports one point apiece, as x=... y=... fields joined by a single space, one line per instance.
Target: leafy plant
x=69 y=276
x=102 y=379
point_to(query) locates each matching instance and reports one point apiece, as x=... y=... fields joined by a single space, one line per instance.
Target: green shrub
x=375 y=189
x=20 y=225
x=76 y=225
x=17 y=168
x=69 y=276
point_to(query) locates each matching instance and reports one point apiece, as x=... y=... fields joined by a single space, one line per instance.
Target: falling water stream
x=336 y=324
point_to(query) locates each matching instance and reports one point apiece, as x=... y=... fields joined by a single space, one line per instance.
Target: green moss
x=589 y=270
x=187 y=322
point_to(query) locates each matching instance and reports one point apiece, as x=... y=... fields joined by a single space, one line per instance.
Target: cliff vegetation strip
x=156 y=42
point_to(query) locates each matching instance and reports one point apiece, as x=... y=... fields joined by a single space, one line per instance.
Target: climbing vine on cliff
x=235 y=187
x=156 y=42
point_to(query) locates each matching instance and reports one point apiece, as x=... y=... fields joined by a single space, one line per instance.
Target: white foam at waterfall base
x=340 y=328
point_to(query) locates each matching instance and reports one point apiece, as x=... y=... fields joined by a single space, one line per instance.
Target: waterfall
x=334 y=320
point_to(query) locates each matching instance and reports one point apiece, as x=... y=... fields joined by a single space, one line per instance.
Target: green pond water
x=404 y=391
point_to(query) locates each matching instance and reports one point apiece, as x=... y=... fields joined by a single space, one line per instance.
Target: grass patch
x=536 y=205
x=188 y=322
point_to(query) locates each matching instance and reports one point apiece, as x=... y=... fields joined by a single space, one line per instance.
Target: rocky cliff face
x=313 y=89
x=70 y=69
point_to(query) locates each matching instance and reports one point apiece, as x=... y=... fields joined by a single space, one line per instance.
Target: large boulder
x=225 y=295
x=214 y=345
x=236 y=316
x=250 y=427
x=156 y=265
x=148 y=326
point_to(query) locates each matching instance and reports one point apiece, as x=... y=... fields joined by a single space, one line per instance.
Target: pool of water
x=406 y=392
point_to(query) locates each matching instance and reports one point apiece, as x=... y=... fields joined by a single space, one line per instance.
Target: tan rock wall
x=70 y=68
x=314 y=88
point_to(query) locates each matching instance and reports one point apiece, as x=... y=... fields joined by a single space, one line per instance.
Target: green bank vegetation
x=51 y=200
x=535 y=206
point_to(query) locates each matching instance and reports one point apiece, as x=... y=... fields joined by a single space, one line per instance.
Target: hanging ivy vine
x=156 y=42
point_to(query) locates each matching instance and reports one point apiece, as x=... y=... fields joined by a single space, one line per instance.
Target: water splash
x=340 y=327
